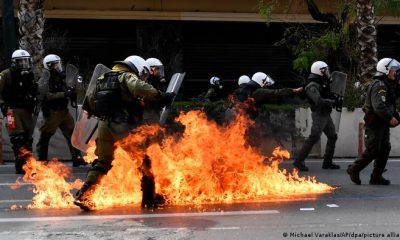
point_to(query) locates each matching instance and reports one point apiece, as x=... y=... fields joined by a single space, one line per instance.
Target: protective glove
x=70 y=94
x=167 y=98
x=339 y=104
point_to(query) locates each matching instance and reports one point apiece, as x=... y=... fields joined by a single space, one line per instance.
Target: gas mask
x=327 y=74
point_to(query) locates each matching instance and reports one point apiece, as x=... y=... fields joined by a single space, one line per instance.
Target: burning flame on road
x=50 y=186
x=206 y=163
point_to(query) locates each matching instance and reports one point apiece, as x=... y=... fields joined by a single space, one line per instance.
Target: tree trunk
x=366 y=31
x=31 y=25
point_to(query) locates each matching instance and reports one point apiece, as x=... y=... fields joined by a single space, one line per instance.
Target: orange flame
x=206 y=163
x=50 y=187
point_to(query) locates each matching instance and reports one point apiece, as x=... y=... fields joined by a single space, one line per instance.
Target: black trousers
x=322 y=123
x=377 y=147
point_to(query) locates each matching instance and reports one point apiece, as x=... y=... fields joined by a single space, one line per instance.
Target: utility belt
x=121 y=116
x=371 y=118
x=27 y=106
x=55 y=108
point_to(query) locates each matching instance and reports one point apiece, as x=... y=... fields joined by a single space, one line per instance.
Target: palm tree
x=31 y=25
x=366 y=34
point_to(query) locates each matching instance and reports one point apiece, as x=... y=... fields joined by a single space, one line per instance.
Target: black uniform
x=321 y=102
x=379 y=108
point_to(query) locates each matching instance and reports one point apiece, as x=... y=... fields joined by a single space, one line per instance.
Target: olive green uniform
x=115 y=128
x=260 y=95
x=321 y=102
x=214 y=93
x=264 y=95
x=379 y=109
x=18 y=92
x=215 y=104
x=56 y=115
x=153 y=107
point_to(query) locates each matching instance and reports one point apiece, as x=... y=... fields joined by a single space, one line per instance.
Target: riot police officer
x=151 y=115
x=156 y=78
x=258 y=89
x=117 y=102
x=55 y=110
x=18 y=92
x=321 y=102
x=216 y=90
x=380 y=116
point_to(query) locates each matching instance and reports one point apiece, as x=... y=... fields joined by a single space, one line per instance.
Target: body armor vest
x=22 y=91
x=108 y=104
x=56 y=84
x=325 y=90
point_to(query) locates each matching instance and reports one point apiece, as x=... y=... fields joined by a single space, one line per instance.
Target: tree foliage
x=334 y=42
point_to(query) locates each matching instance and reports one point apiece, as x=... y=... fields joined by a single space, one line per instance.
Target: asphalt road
x=347 y=213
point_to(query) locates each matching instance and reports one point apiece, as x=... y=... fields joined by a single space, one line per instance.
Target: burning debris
x=206 y=163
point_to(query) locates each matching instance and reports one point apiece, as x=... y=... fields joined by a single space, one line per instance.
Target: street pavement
x=350 y=212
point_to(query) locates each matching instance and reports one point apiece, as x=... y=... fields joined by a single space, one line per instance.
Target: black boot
x=354 y=175
x=148 y=185
x=330 y=165
x=19 y=162
x=78 y=161
x=81 y=201
x=301 y=166
x=379 y=180
x=42 y=147
x=148 y=192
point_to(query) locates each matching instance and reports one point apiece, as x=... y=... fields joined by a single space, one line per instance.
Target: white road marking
x=136 y=216
x=138 y=229
x=343 y=160
x=224 y=228
x=332 y=205
x=22 y=184
x=10 y=184
x=307 y=209
x=15 y=201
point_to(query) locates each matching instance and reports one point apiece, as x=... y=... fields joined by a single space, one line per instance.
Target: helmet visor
x=269 y=82
x=23 y=63
x=157 y=71
x=326 y=72
x=56 y=66
x=393 y=64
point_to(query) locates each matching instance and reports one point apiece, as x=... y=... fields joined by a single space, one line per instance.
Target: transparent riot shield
x=338 y=88
x=86 y=126
x=71 y=79
x=43 y=89
x=173 y=86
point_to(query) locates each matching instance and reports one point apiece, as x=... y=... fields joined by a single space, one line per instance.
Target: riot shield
x=173 y=86
x=71 y=78
x=71 y=73
x=43 y=89
x=338 y=88
x=86 y=126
